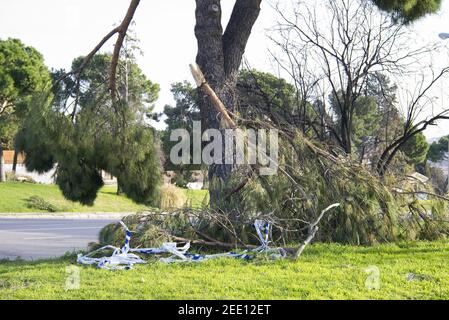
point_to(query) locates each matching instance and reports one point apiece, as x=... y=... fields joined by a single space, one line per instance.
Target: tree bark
x=2 y=165
x=14 y=164
x=119 y=187
x=219 y=57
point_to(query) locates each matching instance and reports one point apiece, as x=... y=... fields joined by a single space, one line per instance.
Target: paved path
x=67 y=215
x=33 y=239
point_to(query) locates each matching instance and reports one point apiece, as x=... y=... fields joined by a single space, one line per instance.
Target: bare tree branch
x=121 y=30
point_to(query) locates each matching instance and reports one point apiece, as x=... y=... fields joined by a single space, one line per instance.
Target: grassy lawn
x=13 y=197
x=197 y=198
x=324 y=272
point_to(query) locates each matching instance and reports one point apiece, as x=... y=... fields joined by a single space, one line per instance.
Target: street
x=33 y=239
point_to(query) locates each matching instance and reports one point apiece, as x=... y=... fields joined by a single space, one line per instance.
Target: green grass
x=323 y=272
x=197 y=198
x=13 y=197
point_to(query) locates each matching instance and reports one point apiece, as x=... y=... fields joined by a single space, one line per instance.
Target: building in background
x=22 y=172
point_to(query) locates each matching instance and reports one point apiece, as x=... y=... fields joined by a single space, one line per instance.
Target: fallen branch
x=313 y=229
x=202 y=83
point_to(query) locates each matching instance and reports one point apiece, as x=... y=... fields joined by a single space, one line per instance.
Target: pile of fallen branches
x=311 y=177
x=201 y=228
x=295 y=202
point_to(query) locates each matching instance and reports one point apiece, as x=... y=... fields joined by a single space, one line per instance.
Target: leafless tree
x=306 y=82
x=417 y=118
x=346 y=41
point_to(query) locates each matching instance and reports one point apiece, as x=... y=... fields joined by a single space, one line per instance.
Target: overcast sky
x=64 y=29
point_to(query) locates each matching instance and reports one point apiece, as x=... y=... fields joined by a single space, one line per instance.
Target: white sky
x=64 y=29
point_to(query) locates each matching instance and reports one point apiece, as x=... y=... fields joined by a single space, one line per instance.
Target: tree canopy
x=22 y=74
x=416 y=149
x=438 y=149
x=97 y=134
x=409 y=10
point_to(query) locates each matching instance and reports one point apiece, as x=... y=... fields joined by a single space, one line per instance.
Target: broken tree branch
x=122 y=30
x=201 y=82
x=313 y=229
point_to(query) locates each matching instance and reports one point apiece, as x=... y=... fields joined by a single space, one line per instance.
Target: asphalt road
x=33 y=239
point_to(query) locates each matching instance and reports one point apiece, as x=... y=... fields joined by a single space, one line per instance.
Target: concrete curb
x=67 y=215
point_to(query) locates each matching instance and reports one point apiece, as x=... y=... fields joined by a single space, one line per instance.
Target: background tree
x=438 y=149
x=416 y=149
x=180 y=116
x=350 y=42
x=414 y=121
x=263 y=95
x=22 y=74
x=355 y=48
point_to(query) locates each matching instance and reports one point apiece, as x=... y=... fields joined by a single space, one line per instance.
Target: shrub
x=172 y=197
x=182 y=178
x=11 y=176
x=150 y=230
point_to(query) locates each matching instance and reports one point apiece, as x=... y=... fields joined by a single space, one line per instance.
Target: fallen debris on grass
x=125 y=258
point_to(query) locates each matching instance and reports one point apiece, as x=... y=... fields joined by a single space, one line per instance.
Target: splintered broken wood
x=206 y=88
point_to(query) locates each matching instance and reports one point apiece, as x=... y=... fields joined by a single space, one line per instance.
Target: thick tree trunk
x=219 y=57
x=2 y=165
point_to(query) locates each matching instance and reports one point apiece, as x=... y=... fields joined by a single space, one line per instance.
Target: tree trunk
x=219 y=57
x=119 y=187
x=2 y=165
x=14 y=164
x=346 y=138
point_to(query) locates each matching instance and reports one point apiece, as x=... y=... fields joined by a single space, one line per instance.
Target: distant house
x=418 y=177
x=414 y=183
x=420 y=181
x=44 y=178
x=21 y=171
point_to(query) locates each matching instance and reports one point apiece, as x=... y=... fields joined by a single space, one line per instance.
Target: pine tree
x=97 y=134
x=409 y=10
